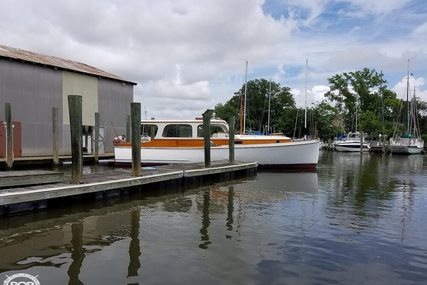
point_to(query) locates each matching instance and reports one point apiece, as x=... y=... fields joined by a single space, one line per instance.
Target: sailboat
x=409 y=142
x=353 y=142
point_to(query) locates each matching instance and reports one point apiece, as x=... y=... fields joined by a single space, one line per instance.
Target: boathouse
x=34 y=84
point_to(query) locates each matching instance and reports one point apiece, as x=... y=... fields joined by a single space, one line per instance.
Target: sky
x=189 y=55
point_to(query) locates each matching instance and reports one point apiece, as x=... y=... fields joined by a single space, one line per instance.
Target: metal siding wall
x=32 y=91
x=114 y=105
x=87 y=87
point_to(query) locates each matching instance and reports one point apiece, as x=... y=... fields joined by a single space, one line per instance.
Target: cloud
x=375 y=7
x=414 y=82
x=188 y=55
x=420 y=31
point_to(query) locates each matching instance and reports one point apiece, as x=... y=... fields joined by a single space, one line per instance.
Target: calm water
x=357 y=220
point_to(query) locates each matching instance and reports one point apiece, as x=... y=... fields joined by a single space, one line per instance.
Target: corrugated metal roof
x=19 y=54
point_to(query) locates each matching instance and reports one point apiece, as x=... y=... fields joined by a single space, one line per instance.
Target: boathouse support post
x=97 y=120
x=127 y=128
x=55 y=136
x=231 y=132
x=207 y=115
x=75 y=111
x=135 y=114
x=9 y=135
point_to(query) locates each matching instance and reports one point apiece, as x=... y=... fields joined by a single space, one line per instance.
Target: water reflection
x=77 y=253
x=365 y=188
x=358 y=219
x=134 y=247
x=230 y=209
x=204 y=235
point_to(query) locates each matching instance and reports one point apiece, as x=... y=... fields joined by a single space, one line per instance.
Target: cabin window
x=213 y=129
x=178 y=131
x=148 y=130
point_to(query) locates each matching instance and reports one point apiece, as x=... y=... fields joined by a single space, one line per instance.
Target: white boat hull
x=406 y=146
x=404 y=149
x=352 y=143
x=301 y=154
x=351 y=147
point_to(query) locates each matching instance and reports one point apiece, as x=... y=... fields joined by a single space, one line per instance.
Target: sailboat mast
x=305 y=100
x=244 y=103
x=414 y=115
x=357 y=111
x=407 y=99
x=268 y=117
x=241 y=112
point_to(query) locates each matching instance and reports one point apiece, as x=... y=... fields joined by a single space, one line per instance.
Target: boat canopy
x=407 y=136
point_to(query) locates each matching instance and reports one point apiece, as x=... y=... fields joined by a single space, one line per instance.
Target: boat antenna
x=244 y=103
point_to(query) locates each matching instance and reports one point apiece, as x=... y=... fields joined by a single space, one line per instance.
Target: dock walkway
x=116 y=182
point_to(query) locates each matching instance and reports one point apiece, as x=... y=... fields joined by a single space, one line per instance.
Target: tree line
x=359 y=99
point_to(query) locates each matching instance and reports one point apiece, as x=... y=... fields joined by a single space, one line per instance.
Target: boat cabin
x=164 y=129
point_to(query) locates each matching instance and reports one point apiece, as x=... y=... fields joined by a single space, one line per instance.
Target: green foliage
x=370 y=123
x=257 y=97
x=359 y=94
x=354 y=93
x=326 y=119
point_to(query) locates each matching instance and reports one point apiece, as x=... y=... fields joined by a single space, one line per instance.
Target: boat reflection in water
x=357 y=218
x=61 y=247
x=284 y=182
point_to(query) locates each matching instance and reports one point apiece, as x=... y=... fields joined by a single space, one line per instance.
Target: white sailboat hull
x=301 y=154
x=406 y=146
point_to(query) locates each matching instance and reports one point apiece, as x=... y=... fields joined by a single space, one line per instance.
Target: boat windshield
x=214 y=129
x=178 y=131
x=149 y=130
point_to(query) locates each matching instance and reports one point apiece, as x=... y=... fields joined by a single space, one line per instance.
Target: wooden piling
x=207 y=136
x=361 y=141
x=97 y=120
x=55 y=136
x=9 y=135
x=127 y=128
x=231 y=131
x=75 y=111
x=135 y=114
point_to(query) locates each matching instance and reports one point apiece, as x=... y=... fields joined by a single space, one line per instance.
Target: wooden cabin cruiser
x=181 y=141
x=353 y=142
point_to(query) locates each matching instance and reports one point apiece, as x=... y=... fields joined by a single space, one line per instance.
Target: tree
x=327 y=120
x=363 y=95
x=257 y=97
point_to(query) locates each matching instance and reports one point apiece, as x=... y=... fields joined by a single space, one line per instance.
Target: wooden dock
x=32 y=161
x=32 y=195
